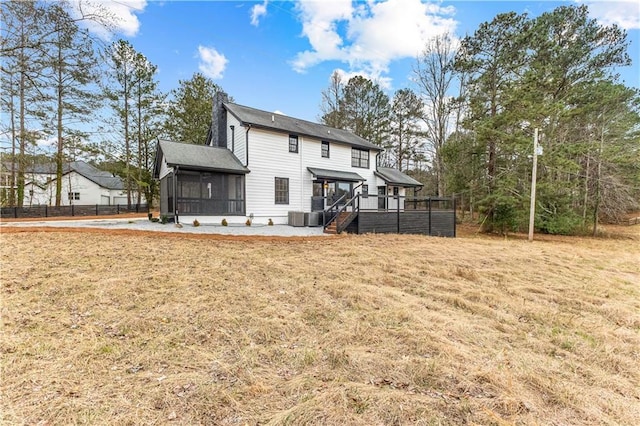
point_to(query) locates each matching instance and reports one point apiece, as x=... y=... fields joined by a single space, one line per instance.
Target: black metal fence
x=73 y=210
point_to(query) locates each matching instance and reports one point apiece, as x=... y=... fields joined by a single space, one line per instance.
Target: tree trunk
x=127 y=144
x=138 y=195
x=23 y=133
x=586 y=191
x=59 y=154
x=596 y=206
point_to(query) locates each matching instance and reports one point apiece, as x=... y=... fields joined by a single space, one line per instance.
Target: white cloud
x=370 y=35
x=113 y=17
x=47 y=144
x=345 y=76
x=625 y=14
x=258 y=11
x=212 y=63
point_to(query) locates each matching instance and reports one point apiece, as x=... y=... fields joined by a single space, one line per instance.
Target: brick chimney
x=219 y=120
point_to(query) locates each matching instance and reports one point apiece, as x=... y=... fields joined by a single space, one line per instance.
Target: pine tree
x=189 y=112
x=22 y=82
x=73 y=67
x=406 y=137
x=148 y=116
x=366 y=110
x=121 y=57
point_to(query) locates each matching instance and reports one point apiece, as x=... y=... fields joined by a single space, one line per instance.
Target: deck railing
x=331 y=213
x=394 y=213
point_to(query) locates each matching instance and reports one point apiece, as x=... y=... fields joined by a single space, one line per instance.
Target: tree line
x=464 y=128
x=467 y=126
x=91 y=99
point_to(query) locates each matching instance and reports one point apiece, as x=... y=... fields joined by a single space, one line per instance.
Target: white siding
x=269 y=157
x=237 y=145
x=37 y=191
x=35 y=195
x=90 y=193
x=339 y=159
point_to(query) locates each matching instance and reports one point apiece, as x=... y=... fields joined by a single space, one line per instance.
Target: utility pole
x=532 y=209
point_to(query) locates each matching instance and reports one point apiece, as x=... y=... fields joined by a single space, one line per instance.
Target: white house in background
x=34 y=175
x=264 y=165
x=82 y=184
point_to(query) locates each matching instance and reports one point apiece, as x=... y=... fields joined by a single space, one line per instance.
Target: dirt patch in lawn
x=122 y=327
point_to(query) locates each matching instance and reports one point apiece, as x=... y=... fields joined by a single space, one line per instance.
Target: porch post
x=454 y=216
x=175 y=193
x=398 y=212
x=429 y=202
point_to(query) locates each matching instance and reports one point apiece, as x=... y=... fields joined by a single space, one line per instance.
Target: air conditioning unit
x=296 y=218
x=312 y=219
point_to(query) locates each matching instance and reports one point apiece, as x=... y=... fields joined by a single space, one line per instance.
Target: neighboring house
x=35 y=174
x=82 y=184
x=264 y=165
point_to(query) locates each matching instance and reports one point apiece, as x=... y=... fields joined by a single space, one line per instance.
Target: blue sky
x=279 y=55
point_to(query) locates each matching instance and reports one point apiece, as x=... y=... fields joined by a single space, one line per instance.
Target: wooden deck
x=401 y=215
x=434 y=223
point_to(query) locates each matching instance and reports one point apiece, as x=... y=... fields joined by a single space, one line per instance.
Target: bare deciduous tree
x=434 y=74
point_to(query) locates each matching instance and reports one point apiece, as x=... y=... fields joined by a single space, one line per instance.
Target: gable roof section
x=99 y=177
x=396 y=177
x=198 y=157
x=283 y=123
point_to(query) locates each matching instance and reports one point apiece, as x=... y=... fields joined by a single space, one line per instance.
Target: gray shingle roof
x=200 y=157
x=270 y=120
x=100 y=177
x=335 y=174
x=45 y=169
x=396 y=177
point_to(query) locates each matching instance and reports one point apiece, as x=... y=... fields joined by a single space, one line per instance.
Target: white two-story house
x=262 y=165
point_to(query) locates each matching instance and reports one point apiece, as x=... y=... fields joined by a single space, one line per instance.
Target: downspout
x=301 y=176
x=246 y=145
x=175 y=193
x=246 y=156
x=233 y=138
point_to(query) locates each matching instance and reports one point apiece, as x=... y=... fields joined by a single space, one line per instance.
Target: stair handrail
x=354 y=212
x=329 y=209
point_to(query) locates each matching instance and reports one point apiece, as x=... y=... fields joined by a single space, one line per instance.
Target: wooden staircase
x=343 y=219
x=331 y=228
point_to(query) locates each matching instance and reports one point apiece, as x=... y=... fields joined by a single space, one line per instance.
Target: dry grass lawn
x=149 y=329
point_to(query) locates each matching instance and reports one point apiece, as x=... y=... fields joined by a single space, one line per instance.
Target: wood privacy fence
x=73 y=210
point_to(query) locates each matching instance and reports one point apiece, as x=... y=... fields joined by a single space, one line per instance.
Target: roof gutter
x=313 y=136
